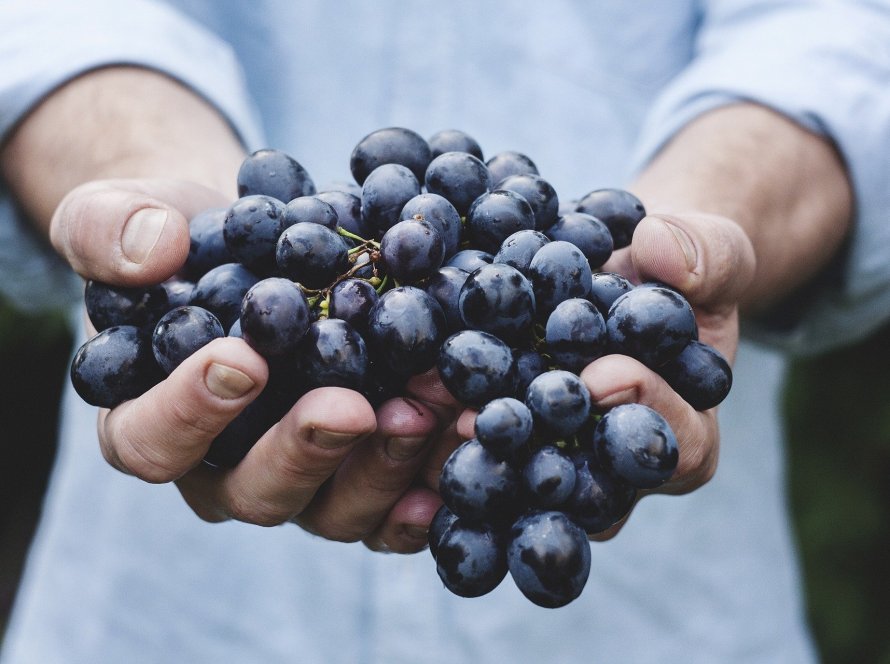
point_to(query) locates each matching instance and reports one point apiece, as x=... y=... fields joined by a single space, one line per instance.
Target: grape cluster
x=433 y=258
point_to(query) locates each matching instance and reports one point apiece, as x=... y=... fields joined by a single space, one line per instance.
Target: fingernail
x=687 y=246
x=332 y=439
x=629 y=395
x=417 y=532
x=402 y=449
x=226 y=382
x=142 y=232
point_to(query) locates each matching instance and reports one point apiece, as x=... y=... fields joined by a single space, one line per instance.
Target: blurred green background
x=838 y=408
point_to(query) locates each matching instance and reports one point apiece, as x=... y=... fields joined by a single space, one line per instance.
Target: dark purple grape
x=459 y=177
x=558 y=271
x=251 y=230
x=274 y=317
x=179 y=292
x=507 y=163
x=504 y=426
x=385 y=192
x=440 y=213
x=445 y=285
x=605 y=288
x=469 y=260
x=221 y=290
x=471 y=560
x=477 y=486
x=652 y=324
x=699 y=374
x=495 y=216
x=476 y=367
x=352 y=300
x=392 y=145
x=637 y=445
x=273 y=173
x=114 y=366
x=310 y=209
x=453 y=140
x=442 y=521
x=207 y=245
x=110 y=306
x=349 y=211
x=618 y=209
x=405 y=330
x=529 y=365
x=559 y=402
x=181 y=332
x=587 y=233
x=334 y=354
x=548 y=558
x=548 y=477
x=519 y=249
x=599 y=500
x=381 y=385
x=539 y=193
x=344 y=186
x=312 y=255
x=575 y=334
x=498 y=299
x=411 y=250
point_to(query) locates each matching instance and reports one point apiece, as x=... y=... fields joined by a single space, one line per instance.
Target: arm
x=142 y=126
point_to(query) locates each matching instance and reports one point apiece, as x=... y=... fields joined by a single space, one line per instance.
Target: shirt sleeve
x=46 y=44
x=826 y=65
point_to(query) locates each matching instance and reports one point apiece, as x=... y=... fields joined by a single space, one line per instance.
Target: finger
x=618 y=379
x=128 y=232
x=285 y=468
x=429 y=389
x=166 y=431
x=406 y=527
x=373 y=477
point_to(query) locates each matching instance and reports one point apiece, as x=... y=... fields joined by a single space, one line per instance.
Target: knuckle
x=255 y=511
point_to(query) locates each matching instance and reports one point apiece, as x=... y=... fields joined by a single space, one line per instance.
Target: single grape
x=469 y=260
x=539 y=193
x=311 y=254
x=519 y=249
x=459 y=177
x=504 y=426
x=440 y=213
x=221 y=290
x=411 y=250
x=110 y=306
x=558 y=271
x=496 y=215
x=598 y=500
x=471 y=560
x=699 y=374
x=445 y=286
x=587 y=233
x=207 y=245
x=548 y=477
x=619 y=210
x=274 y=317
x=251 y=230
x=352 y=300
x=476 y=367
x=179 y=292
x=273 y=173
x=441 y=522
x=310 y=209
x=507 y=163
x=559 y=402
x=605 y=288
x=575 y=334
x=498 y=299
x=391 y=145
x=453 y=140
x=529 y=365
x=181 y=332
x=385 y=192
x=477 y=486
x=334 y=354
x=348 y=207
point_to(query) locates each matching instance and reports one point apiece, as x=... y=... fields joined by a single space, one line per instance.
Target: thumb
x=128 y=232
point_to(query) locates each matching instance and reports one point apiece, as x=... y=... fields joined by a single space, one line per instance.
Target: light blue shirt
x=122 y=571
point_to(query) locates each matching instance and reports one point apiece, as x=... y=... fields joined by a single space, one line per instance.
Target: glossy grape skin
x=221 y=290
x=311 y=254
x=207 y=244
x=509 y=162
x=558 y=271
x=310 y=209
x=352 y=300
x=469 y=260
x=385 y=192
x=575 y=334
x=110 y=306
x=274 y=317
x=529 y=365
x=548 y=558
x=181 y=332
x=605 y=288
x=636 y=444
x=411 y=250
x=344 y=186
x=453 y=140
x=471 y=560
x=438 y=211
x=652 y=324
x=334 y=354
x=349 y=211
x=445 y=286
x=476 y=367
x=559 y=402
x=273 y=173
x=548 y=477
x=539 y=194
x=618 y=209
x=179 y=292
x=251 y=230
x=699 y=374
x=406 y=328
x=587 y=233
x=114 y=366
x=442 y=521
x=477 y=486
x=459 y=177
x=504 y=426
x=598 y=499
x=496 y=215
x=390 y=145
x=498 y=299
x=518 y=249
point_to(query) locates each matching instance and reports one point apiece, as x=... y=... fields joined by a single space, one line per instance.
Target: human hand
x=331 y=464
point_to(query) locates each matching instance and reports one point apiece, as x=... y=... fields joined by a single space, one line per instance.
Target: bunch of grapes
x=433 y=258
